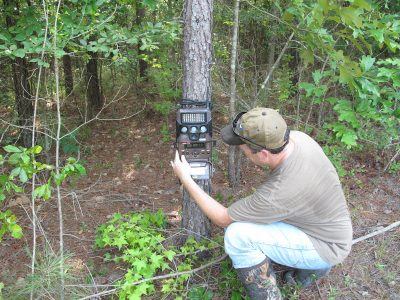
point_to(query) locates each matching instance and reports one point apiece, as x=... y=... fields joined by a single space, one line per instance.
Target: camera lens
x=193 y=129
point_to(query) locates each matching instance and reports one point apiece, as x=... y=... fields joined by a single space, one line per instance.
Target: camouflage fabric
x=260 y=282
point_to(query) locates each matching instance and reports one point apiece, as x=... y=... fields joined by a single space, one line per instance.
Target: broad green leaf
x=19 y=53
x=25 y=158
x=363 y=4
x=16 y=231
x=378 y=34
x=367 y=62
x=317 y=76
x=369 y=87
x=170 y=255
x=36 y=149
x=23 y=177
x=345 y=75
x=12 y=149
x=349 y=138
x=15 y=172
x=308 y=87
x=59 y=53
x=351 y=16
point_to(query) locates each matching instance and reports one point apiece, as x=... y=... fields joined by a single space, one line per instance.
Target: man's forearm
x=216 y=212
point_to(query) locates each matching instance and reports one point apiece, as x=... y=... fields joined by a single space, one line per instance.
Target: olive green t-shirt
x=303 y=191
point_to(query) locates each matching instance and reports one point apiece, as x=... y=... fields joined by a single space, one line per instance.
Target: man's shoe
x=260 y=281
x=304 y=278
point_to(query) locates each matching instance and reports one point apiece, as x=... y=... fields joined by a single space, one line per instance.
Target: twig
x=362 y=238
x=275 y=65
x=391 y=161
x=113 y=291
x=59 y=120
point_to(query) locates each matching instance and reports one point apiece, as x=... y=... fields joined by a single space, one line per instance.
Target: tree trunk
x=140 y=14
x=233 y=153
x=93 y=96
x=23 y=96
x=68 y=76
x=197 y=63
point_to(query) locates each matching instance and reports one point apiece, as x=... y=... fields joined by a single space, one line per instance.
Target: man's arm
x=216 y=212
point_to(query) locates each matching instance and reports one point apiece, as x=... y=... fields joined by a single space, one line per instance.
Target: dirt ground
x=128 y=169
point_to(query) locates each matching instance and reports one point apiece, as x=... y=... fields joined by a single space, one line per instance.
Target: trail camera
x=194 y=136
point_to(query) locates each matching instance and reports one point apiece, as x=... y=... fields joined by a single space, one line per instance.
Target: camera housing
x=194 y=136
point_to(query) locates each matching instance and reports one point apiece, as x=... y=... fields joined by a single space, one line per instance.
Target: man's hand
x=217 y=213
x=181 y=167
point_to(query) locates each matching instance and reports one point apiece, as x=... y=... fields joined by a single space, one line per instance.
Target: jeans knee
x=233 y=237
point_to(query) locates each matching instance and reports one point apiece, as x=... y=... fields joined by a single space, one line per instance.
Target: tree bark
x=23 y=96
x=93 y=96
x=68 y=75
x=234 y=156
x=197 y=61
x=140 y=14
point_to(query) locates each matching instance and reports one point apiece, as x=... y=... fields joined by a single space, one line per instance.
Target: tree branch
x=362 y=238
x=113 y=291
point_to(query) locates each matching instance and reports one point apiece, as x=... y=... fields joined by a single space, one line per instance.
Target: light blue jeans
x=248 y=244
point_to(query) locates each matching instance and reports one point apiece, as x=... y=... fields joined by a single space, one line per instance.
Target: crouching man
x=298 y=217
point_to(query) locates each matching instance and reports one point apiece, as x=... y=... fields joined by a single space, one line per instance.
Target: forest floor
x=128 y=169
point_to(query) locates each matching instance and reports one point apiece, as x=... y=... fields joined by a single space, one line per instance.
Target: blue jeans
x=248 y=244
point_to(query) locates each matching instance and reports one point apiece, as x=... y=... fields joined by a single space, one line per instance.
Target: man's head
x=259 y=128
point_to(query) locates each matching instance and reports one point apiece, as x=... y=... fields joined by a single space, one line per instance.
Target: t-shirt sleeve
x=260 y=207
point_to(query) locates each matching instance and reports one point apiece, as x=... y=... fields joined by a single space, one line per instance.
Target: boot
x=260 y=281
x=304 y=278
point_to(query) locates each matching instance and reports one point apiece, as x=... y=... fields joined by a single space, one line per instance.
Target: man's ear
x=265 y=155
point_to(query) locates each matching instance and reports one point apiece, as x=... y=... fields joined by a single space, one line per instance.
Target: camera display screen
x=195 y=146
x=193 y=118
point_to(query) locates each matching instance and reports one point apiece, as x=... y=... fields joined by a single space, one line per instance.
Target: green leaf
x=363 y=4
x=59 y=53
x=170 y=255
x=81 y=169
x=308 y=87
x=120 y=241
x=19 y=53
x=12 y=149
x=369 y=87
x=16 y=231
x=36 y=149
x=25 y=158
x=15 y=172
x=23 y=177
x=349 y=138
x=317 y=76
x=139 y=264
x=351 y=16
x=307 y=56
x=367 y=62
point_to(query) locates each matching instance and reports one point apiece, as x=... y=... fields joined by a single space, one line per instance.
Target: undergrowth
x=142 y=244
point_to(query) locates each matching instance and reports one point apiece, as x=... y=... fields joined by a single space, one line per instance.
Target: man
x=297 y=218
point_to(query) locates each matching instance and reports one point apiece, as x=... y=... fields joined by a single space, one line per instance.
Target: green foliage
x=139 y=238
x=229 y=283
x=19 y=165
x=165 y=132
x=337 y=156
x=200 y=293
x=370 y=80
x=164 y=107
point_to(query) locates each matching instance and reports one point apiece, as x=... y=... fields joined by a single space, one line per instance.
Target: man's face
x=256 y=158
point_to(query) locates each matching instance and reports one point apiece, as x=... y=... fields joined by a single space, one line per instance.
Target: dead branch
x=362 y=238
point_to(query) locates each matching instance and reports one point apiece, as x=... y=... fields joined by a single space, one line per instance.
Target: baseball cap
x=263 y=127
